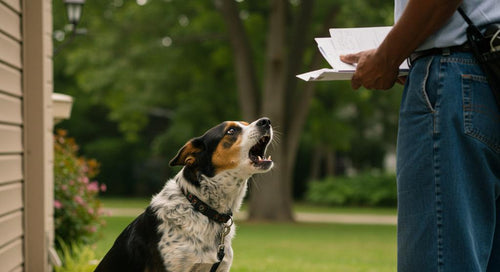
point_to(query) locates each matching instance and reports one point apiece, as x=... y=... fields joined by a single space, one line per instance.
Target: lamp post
x=61 y=103
x=74 y=12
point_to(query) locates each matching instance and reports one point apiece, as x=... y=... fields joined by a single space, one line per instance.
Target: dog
x=188 y=226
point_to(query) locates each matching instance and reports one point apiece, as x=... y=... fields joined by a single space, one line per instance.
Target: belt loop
x=446 y=51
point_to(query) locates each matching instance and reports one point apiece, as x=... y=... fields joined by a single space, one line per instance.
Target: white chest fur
x=189 y=240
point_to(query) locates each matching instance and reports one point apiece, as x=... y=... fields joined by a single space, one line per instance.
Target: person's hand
x=372 y=71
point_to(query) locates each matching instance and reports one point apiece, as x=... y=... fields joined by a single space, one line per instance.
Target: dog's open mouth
x=256 y=153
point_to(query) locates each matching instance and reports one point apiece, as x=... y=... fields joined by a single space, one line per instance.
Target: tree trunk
x=243 y=60
x=273 y=200
x=271 y=196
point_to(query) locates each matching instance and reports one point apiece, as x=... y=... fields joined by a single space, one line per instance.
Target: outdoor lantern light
x=74 y=10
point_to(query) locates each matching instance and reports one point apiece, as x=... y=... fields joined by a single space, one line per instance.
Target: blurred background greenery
x=150 y=74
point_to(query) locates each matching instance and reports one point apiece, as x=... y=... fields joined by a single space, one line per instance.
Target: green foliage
x=146 y=79
x=77 y=210
x=149 y=75
x=366 y=13
x=76 y=258
x=160 y=55
x=367 y=189
x=333 y=110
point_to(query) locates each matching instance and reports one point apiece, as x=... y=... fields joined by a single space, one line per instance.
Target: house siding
x=37 y=133
x=26 y=175
x=11 y=135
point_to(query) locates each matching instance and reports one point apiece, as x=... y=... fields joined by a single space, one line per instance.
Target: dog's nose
x=264 y=122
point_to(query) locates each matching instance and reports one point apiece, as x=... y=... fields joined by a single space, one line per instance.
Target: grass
x=133 y=202
x=314 y=247
x=298 y=247
x=310 y=208
x=298 y=207
x=114 y=226
x=293 y=247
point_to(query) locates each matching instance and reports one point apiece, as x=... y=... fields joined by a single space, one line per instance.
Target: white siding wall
x=11 y=137
x=37 y=133
x=26 y=175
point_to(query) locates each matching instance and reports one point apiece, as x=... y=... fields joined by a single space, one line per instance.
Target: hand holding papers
x=347 y=41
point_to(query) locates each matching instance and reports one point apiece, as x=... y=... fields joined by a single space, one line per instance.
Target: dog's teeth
x=259 y=158
x=269 y=158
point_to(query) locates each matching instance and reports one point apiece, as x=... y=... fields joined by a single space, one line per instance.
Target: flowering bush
x=77 y=210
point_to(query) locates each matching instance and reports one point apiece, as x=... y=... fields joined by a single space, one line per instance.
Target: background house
x=26 y=187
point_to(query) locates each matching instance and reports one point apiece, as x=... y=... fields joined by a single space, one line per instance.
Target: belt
x=438 y=51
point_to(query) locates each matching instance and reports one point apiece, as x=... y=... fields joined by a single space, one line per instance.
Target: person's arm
x=379 y=68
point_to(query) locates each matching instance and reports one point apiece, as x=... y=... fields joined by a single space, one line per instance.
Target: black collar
x=206 y=210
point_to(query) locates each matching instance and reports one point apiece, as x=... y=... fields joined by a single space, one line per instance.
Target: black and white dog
x=188 y=225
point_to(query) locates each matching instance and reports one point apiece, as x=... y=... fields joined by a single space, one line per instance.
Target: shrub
x=76 y=258
x=367 y=189
x=77 y=210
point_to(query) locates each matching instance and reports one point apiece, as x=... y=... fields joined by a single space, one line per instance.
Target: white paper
x=325 y=75
x=353 y=40
x=347 y=41
x=332 y=55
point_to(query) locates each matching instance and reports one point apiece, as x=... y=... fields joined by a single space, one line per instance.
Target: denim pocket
x=421 y=98
x=481 y=114
x=428 y=97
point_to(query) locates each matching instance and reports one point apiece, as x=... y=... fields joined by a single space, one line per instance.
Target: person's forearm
x=420 y=19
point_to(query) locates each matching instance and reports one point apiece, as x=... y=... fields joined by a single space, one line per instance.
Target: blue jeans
x=448 y=168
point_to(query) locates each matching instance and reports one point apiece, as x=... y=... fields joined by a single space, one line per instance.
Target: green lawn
x=114 y=226
x=298 y=247
x=314 y=247
x=133 y=202
x=298 y=207
x=310 y=208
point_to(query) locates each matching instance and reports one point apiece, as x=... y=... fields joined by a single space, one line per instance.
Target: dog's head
x=230 y=145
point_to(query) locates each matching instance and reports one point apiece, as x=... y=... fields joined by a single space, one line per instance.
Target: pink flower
x=57 y=204
x=90 y=211
x=93 y=187
x=92 y=229
x=78 y=200
x=85 y=180
x=64 y=187
x=103 y=187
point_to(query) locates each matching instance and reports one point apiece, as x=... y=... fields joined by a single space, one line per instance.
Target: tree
x=146 y=78
x=279 y=97
x=177 y=63
x=287 y=110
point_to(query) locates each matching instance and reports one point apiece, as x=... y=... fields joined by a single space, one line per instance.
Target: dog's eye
x=231 y=131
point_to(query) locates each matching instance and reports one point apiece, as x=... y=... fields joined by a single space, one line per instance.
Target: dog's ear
x=187 y=155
